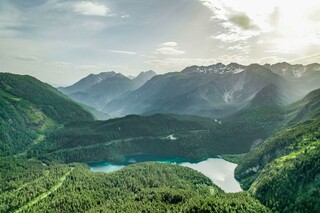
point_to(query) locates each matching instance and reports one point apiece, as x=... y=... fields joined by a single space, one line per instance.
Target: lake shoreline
x=219 y=170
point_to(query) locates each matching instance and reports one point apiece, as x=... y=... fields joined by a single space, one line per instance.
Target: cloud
x=169 y=44
x=271 y=60
x=169 y=48
x=267 y=30
x=241 y=20
x=306 y=59
x=123 y=52
x=240 y=48
x=232 y=37
x=293 y=44
x=28 y=59
x=62 y=63
x=90 y=68
x=91 y=9
x=177 y=64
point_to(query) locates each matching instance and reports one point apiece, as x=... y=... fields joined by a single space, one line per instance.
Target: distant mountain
x=286 y=69
x=269 y=95
x=216 y=90
x=87 y=82
x=305 y=108
x=293 y=71
x=217 y=68
x=143 y=77
x=307 y=78
x=103 y=92
x=97 y=90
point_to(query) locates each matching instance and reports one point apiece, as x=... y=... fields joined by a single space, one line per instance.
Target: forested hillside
x=48 y=99
x=284 y=171
x=29 y=109
x=113 y=139
x=150 y=187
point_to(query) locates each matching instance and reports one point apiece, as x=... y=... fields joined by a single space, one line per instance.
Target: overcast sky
x=61 y=41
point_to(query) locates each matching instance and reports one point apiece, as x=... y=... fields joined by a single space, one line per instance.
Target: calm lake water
x=218 y=170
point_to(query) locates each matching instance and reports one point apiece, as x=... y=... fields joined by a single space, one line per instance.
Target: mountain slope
x=48 y=99
x=294 y=71
x=305 y=78
x=143 y=77
x=103 y=92
x=284 y=171
x=307 y=107
x=97 y=90
x=87 y=82
x=28 y=109
x=268 y=96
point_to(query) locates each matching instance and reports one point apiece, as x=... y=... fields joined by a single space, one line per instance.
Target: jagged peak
x=149 y=72
x=218 y=68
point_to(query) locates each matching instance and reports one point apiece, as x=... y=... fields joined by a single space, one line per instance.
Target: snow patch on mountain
x=298 y=72
x=238 y=86
x=217 y=69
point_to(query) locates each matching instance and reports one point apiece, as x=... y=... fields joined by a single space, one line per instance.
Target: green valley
x=47 y=139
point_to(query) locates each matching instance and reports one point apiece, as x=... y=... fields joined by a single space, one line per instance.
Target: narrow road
x=107 y=143
x=46 y=194
x=46 y=173
x=102 y=144
x=40 y=139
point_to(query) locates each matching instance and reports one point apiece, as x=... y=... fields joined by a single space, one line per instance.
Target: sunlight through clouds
x=285 y=22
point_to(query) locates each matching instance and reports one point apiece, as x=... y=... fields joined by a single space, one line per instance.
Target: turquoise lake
x=220 y=171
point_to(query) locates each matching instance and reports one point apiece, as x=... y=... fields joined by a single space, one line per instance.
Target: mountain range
x=216 y=91
x=97 y=90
